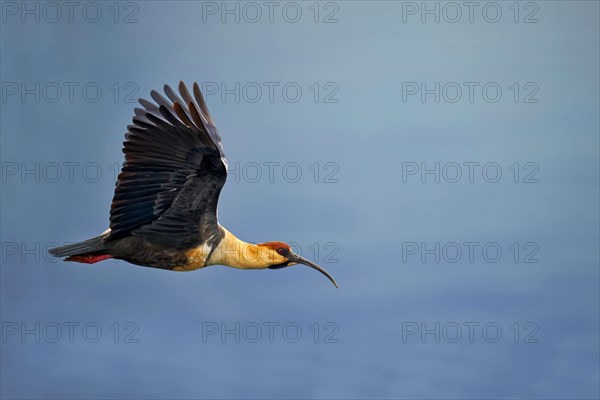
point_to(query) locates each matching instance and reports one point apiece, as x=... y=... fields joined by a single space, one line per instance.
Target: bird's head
x=280 y=255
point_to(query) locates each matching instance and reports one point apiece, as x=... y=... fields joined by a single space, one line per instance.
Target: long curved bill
x=300 y=260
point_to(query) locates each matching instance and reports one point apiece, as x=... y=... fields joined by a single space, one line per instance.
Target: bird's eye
x=281 y=251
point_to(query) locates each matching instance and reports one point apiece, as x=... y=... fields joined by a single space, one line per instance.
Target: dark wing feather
x=174 y=170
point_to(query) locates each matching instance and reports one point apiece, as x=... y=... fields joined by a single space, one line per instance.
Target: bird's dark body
x=137 y=251
x=165 y=201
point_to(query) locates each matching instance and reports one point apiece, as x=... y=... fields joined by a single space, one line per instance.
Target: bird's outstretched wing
x=168 y=188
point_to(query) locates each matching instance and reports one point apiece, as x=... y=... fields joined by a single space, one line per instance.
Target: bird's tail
x=88 y=251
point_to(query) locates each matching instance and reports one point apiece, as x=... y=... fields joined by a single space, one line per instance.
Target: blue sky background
x=368 y=218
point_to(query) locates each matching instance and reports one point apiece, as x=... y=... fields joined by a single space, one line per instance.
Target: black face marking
x=278 y=266
x=282 y=251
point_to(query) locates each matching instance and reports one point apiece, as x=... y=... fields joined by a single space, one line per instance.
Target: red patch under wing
x=89 y=259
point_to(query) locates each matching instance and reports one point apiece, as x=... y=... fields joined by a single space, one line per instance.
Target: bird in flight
x=164 y=210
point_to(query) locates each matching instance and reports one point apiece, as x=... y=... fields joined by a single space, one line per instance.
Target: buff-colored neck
x=236 y=253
